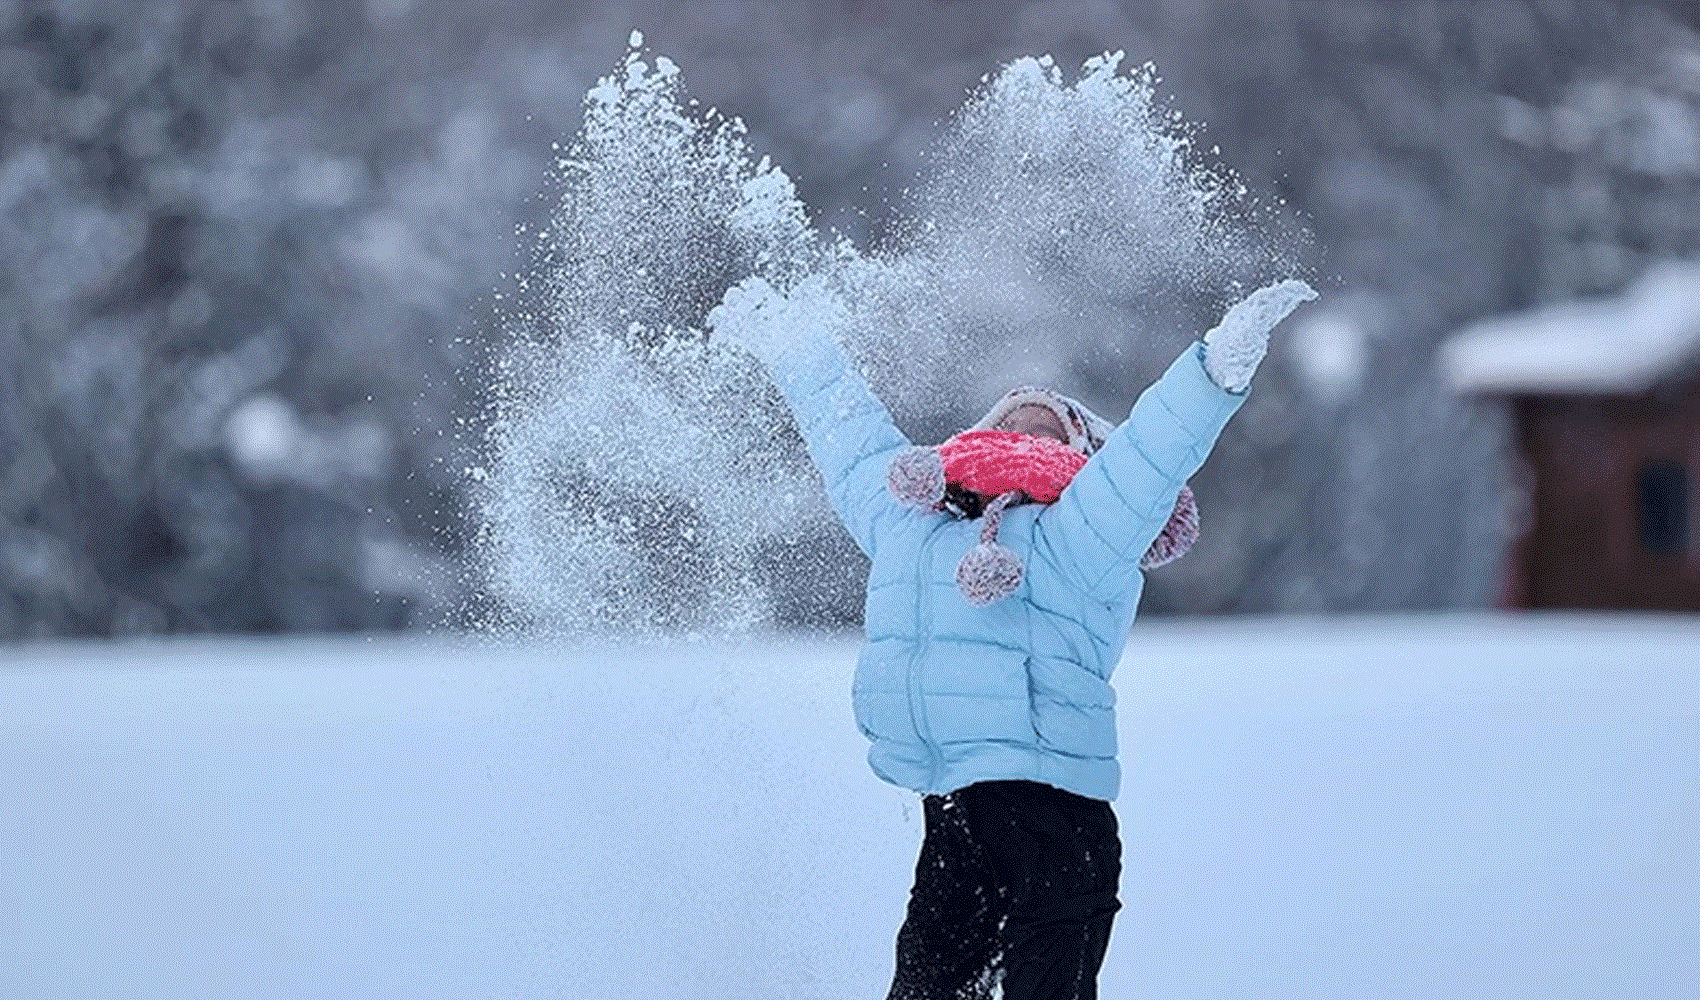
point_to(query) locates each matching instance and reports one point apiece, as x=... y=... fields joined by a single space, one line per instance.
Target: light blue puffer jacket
x=950 y=693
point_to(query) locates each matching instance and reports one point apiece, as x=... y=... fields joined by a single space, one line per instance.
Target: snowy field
x=1458 y=807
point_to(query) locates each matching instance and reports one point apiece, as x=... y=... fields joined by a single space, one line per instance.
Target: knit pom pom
x=916 y=476
x=988 y=572
x=1177 y=536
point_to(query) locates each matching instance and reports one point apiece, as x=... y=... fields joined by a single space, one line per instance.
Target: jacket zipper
x=924 y=623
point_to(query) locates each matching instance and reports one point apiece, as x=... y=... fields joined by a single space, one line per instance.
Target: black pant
x=1016 y=884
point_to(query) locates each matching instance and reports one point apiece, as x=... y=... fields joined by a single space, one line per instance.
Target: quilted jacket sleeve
x=850 y=435
x=1096 y=532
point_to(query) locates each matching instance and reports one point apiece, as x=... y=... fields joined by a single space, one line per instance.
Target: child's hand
x=745 y=313
x=756 y=317
x=1234 y=347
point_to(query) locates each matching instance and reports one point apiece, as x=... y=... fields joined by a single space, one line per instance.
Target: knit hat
x=983 y=471
x=1086 y=430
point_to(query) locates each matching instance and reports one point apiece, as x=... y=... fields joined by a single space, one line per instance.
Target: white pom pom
x=988 y=572
x=916 y=476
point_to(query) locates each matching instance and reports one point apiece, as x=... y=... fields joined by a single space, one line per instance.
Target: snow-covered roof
x=1621 y=344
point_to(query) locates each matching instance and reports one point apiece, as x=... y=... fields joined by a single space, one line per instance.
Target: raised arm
x=849 y=433
x=1108 y=516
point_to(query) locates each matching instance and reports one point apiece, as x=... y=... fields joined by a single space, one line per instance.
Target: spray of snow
x=640 y=479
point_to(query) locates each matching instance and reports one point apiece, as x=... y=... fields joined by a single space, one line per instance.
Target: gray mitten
x=756 y=317
x=1234 y=347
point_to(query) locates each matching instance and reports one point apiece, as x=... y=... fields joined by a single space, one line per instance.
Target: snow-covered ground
x=1454 y=807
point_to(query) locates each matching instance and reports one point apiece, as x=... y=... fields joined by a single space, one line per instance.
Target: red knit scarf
x=992 y=463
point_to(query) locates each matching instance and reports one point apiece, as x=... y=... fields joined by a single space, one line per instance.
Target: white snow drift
x=1392 y=807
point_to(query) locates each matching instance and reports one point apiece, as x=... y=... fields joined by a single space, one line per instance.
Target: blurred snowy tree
x=232 y=268
x=1455 y=161
x=246 y=251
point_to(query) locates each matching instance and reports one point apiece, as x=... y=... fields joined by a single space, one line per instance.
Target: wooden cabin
x=1606 y=398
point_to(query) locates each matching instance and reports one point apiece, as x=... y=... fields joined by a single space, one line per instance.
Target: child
x=1006 y=570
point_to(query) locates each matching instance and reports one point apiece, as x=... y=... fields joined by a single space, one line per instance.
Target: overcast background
x=248 y=253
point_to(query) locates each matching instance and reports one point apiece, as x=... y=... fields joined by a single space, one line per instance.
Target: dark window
x=1661 y=492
